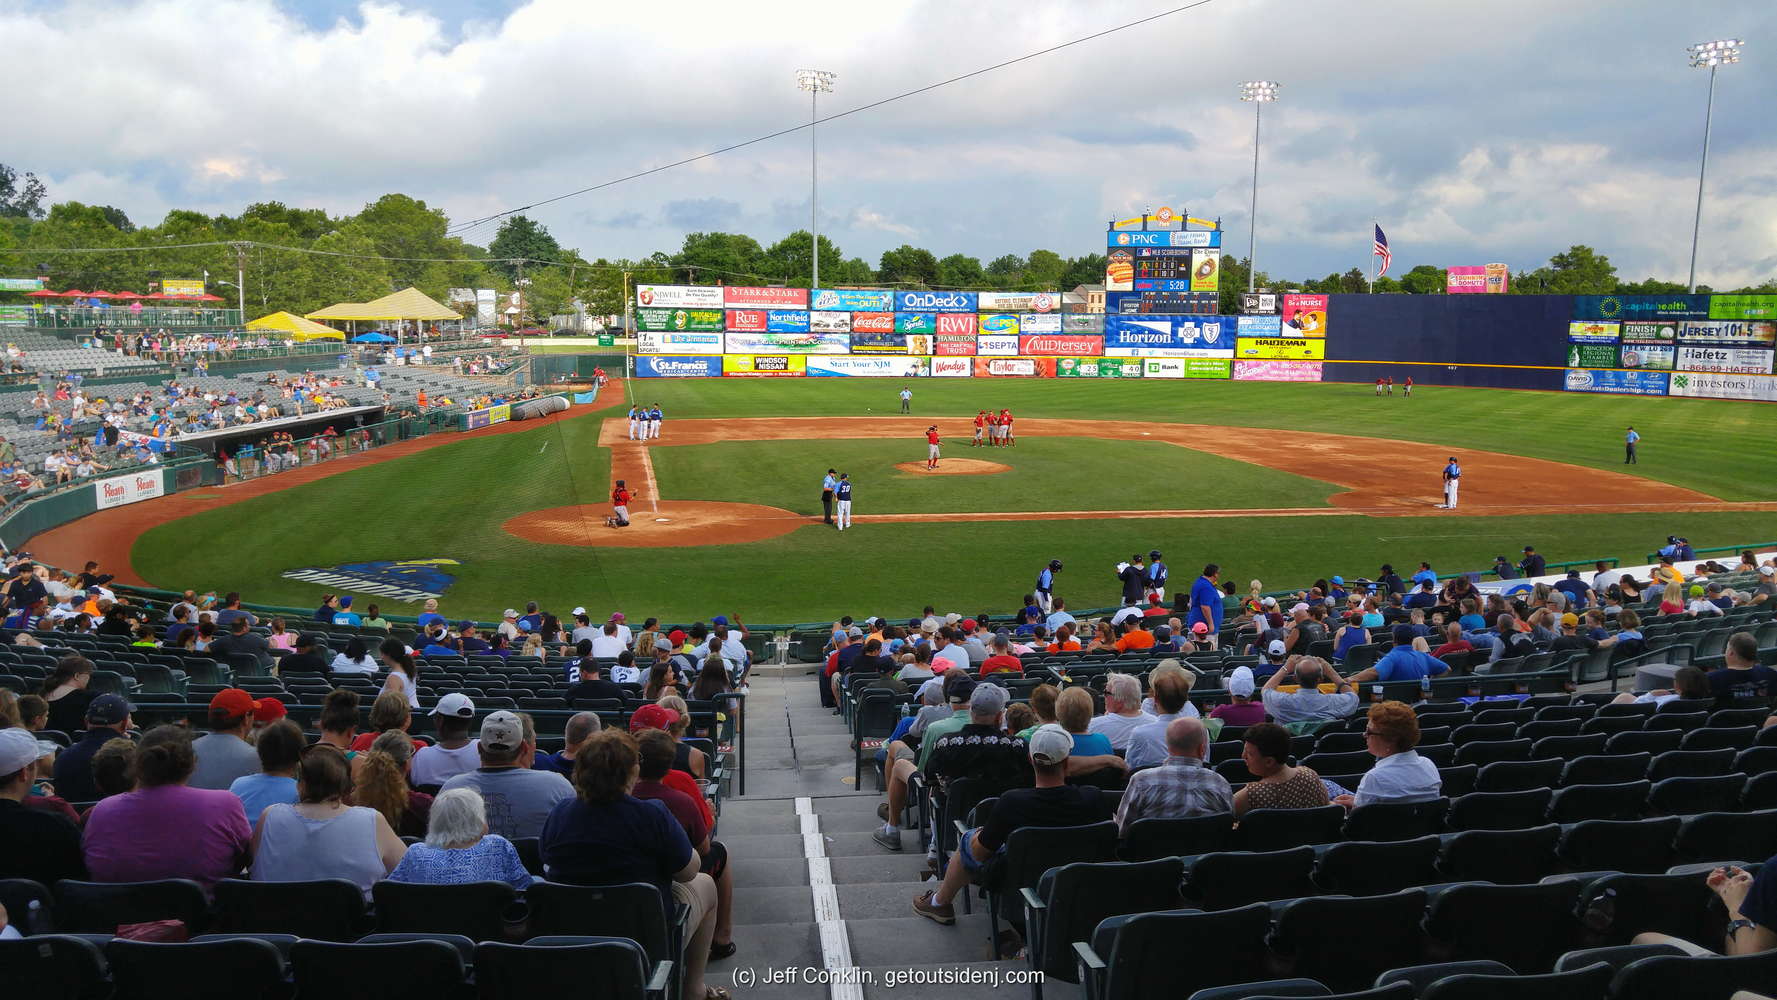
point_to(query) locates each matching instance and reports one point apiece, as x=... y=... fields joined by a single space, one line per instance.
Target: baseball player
x=620 y=498
x=1006 y=427
x=1378 y=387
x=980 y=427
x=654 y=421
x=931 y=447
x=1046 y=586
x=1156 y=578
x=635 y=423
x=843 y=493
x=1452 y=481
x=1629 y=441
x=1389 y=381
x=828 y=484
x=906 y=400
x=1408 y=391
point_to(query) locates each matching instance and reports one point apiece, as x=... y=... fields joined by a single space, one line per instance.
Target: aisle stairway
x=801 y=817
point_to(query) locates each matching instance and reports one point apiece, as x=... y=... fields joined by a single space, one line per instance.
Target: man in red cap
x=661 y=717
x=225 y=754
x=267 y=711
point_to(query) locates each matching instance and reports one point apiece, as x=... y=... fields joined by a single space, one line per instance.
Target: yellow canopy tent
x=339 y=310
x=299 y=329
x=407 y=304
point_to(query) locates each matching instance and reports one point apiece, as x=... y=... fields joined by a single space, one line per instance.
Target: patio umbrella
x=100 y=294
x=127 y=295
x=43 y=293
x=207 y=297
x=74 y=293
x=373 y=338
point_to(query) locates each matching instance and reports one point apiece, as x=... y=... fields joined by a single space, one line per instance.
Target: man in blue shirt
x=345 y=615
x=1629 y=441
x=1046 y=586
x=1206 y=602
x=1452 y=483
x=828 y=485
x=1425 y=574
x=1532 y=564
x=1577 y=591
x=1424 y=597
x=1157 y=576
x=1389 y=582
x=1504 y=569
x=1336 y=593
x=1403 y=662
x=1670 y=549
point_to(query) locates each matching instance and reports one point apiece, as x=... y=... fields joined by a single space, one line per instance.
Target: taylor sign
x=120 y=490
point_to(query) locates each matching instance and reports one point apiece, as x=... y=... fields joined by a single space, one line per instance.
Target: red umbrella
x=206 y=297
x=74 y=293
x=42 y=293
x=126 y=295
x=100 y=294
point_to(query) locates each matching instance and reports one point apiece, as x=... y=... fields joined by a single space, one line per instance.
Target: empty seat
x=1485 y=752
x=596 y=966
x=408 y=970
x=1135 y=957
x=1396 y=820
x=1498 y=810
x=1363 y=868
x=1617 y=907
x=1523 y=926
x=1608 y=845
x=1568 y=747
x=1230 y=879
x=1330 y=938
x=1580 y=984
x=1503 y=856
x=1160 y=838
x=1071 y=901
x=1518 y=775
x=1621 y=801
x=1690 y=764
x=472 y=909
x=1281 y=829
x=54 y=965
x=325 y=910
x=218 y=969
x=1683 y=796
x=99 y=907
x=1712 y=976
x=1714 y=738
x=1606 y=769
x=1748 y=837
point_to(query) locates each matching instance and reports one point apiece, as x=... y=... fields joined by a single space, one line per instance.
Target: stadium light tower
x=1259 y=93
x=1712 y=55
x=815 y=81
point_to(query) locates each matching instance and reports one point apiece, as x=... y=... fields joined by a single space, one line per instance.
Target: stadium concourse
x=1408 y=784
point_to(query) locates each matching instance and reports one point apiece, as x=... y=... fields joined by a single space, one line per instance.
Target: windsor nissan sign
x=120 y=490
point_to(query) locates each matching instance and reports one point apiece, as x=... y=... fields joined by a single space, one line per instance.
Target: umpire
x=828 y=485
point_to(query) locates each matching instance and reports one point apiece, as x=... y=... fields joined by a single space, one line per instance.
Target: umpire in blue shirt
x=827 y=486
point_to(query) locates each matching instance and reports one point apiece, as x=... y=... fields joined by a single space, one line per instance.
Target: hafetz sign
x=855 y=300
x=1643 y=308
x=1259 y=326
x=677 y=296
x=935 y=302
x=1019 y=302
x=1165 y=238
x=120 y=490
x=1727 y=360
x=782 y=298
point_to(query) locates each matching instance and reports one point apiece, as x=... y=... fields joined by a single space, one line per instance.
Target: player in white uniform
x=635 y=423
x=1452 y=482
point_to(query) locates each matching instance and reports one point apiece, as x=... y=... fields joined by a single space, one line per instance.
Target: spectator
x=1134 y=637
x=279 y=747
x=1308 y=703
x=373 y=618
x=1240 y=710
x=65 y=689
x=306 y=659
x=1423 y=597
x=1182 y=786
x=676 y=720
x=1280 y=785
x=225 y=754
x=1122 y=711
x=329 y=607
x=387 y=713
x=948 y=651
x=345 y=616
x=1206 y=602
x=33 y=712
x=1092 y=752
x=680 y=776
x=380 y=781
x=1751 y=903
x=978 y=749
x=1455 y=642
x=1689 y=682
x=455 y=753
x=164 y=828
x=1578 y=592
x=107 y=717
x=960 y=694
x=1532 y=565
x=1405 y=662
x=241 y=639
x=1742 y=676
x=1400 y=774
x=1148 y=744
x=1704 y=601
x=655 y=750
x=319 y=836
x=711 y=682
x=1052 y=802
x=1002 y=660
x=114 y=767
x=602 y=834
x=356 y=659
x=34 y=843
x=518 y=799
x=339 y=719
x=280 y=637
x=404 y=674
x=592 y=685
x=579 y=729
x=459 y=849
x=1570 y=638
x=1672 y=598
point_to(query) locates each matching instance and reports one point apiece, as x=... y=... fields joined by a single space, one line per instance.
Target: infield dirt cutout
x=955 y=467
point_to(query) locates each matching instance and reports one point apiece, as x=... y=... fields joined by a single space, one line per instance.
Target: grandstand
x=1567 y=821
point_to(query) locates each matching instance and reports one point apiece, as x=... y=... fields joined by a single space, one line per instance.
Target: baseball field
x=1276 y=482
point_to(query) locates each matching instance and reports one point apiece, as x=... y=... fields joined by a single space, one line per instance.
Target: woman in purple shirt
x=165 y=829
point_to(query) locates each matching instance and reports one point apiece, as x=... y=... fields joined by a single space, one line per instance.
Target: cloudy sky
x=1501 y=131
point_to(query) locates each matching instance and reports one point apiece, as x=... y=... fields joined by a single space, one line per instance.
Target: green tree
x=856 y=271
x=1579 y=270
x=1006 y=269
x=1043 y=269
x=1087 y=270
x=1651 y=286
x=909 y=265
x=520 y=237
x=961 y=271
x=791 y=260
x=729 y=258
x=21 y=197
x=1424 y=280
x=304 y=224
x=1386 y=285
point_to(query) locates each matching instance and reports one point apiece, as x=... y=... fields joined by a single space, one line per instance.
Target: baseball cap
x=664 y=642
x=456 y=703
x=1573 y=574
x=1569 y=620
x=502 y=731
x=1050 y=744
x=93 y=591
x=962 y=691
x=509 y=614
x=232 y=703
x=1240 y=682
x=617 y=616
x=578 y=611
x=1276 y=648
x=1767 y=570
x=269 y=710
x=346 y=601
x=1696 y=590
x=1163 y=632
x=1125 y=614
x=677 y=636
x=952 y=618
x=719 y=620
x=18 y=750
x=652 y=717
x=1339 y=580
x=110 y=709
x=970 y=624
x=988 y=697
x=1268 y=602
x=465 y=624
x=1200 y=628
x=1298 y=606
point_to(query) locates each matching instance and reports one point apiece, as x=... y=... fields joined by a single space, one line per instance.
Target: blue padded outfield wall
x=1449 y=339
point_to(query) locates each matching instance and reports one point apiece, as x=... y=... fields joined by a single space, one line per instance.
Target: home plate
x=663 y=520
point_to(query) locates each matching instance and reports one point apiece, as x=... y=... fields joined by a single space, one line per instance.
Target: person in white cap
x=1241 y=709
x=509 y=624
x=1052 y=803
x=518 y=798
x=455 y=753
x=42 y=845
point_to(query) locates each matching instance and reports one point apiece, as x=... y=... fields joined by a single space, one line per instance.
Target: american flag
x=1382 y=251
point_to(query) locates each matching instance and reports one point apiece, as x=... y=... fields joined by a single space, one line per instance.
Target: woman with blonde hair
x=379 y=780
x=533 y=646
x=1103 y=637
x=1672 y=598
x=388 y=712
x=686 y=758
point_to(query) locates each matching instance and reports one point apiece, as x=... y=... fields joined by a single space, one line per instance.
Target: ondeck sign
x=120 y=490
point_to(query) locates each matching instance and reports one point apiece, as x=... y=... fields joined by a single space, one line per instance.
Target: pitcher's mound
x=955 y=467
x=678 y=522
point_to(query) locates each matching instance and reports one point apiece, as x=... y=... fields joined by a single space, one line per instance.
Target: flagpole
x=1373 y=227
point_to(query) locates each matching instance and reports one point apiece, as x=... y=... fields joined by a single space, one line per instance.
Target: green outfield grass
x=1064 y=473
x=450 y=501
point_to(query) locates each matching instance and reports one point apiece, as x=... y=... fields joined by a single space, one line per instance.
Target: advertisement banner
x=829 y=322
x=1161 y=368
x=1716 y=386
x=1169 y=238
x=880 y=343
x=786 y=321
x=788 y=343
x=1015 y=367
x=1260 y=326
x=1305 y=315
x=182 y=288
x=782 y=298
x=1082 y=322
x=1632 y=383
x=1717 y=331
x=951 y=302
x=20 y=284
x=1169 y=303
x=873 y=322
x=957 y=345
x=1657 y=357
x=1097 y=368
x=1463 y=279
x=680 y=296
x=764 y=366
x=1592 y=356
x=1061 y=344
x=120 y=490
x=1593 y=332
x=855 y=299
x=1119 y=270
x=1742 y=306
x=680 y=319
x=1643 y=308
x=1206 y=267
x=953 y=368
x=1208 y=368
x=997 y=345
x=747 y=320
x=1650 y=333
x=1281 y=348
x=1018 y=302
x=671 y=342
x=1277 y=371
x=1169 y=336
x=1033 y=323
x=868 y=366
x=957 y=323
x=915 y=322
x=1162 y=284
x=1004 y=325
x=653 y=366
x=1727 y=360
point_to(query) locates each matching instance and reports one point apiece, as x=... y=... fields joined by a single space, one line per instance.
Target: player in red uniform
x=980 y=427
x=620 y=498
x=1379 y=387
x=931 y=447
x=1408 y=391
x=1390 y=383
x=1006 y=427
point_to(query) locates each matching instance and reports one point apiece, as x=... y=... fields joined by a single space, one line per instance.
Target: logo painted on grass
x=410 y=580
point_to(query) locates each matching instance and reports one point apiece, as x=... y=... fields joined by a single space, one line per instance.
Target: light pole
x=815 y=81
x=1260 y=93
x=1713 y=55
